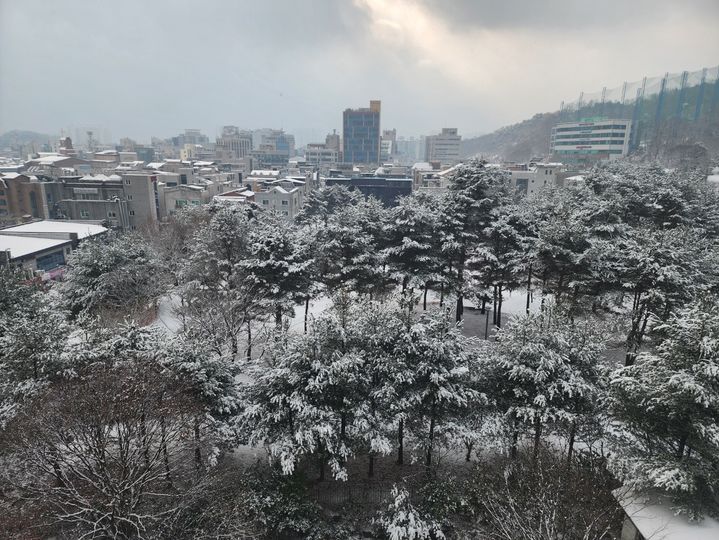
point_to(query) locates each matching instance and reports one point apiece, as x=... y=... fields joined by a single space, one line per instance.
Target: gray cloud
x=153 y=68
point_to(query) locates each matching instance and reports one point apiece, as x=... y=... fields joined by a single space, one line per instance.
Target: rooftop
x=22 y=246
x=83 y=229
x=653 y=516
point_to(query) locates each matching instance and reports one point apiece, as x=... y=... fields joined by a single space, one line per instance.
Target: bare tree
x=108 y=454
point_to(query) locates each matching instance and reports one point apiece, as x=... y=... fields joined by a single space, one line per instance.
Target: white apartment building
x=444 y=147
x=591 y=140
x=530 y=180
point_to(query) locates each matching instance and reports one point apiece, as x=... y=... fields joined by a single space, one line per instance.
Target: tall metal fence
x=690 y=95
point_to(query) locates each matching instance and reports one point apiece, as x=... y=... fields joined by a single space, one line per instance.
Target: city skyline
x=153 y=70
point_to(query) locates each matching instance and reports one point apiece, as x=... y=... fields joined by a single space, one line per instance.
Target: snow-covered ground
x=514 y=304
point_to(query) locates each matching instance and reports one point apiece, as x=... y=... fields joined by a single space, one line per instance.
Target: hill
x=18 y=138
x=670 y=128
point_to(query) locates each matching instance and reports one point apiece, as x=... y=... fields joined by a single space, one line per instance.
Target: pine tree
x=475 y=192
x=666 y=412
x=545 y=373
x=111 y=276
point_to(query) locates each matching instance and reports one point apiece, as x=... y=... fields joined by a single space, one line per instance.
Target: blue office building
x=361 y=134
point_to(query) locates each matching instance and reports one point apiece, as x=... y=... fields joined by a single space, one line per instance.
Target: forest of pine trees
x=249 y=412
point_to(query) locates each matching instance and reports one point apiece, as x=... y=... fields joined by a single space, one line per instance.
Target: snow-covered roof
x=264 y=172
x=83 y=229
x=652 y=515
x=155 y=165
x=50 y=160
x=422 y=166
x=22 y=246
x=713 y=178
x=101 y=178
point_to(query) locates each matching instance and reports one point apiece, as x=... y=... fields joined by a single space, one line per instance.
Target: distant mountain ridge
x=19 y=137
x=518 y=142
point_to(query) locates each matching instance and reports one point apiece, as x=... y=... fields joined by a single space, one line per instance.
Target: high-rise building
x=444 y=147
x=361 y=134
x=233 y=143
x=590 y=140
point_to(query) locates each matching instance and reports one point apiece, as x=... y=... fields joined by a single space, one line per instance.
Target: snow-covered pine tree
x=666 y=412
x=217 y=299
x=434 y=381
x=275 y=266
x=545 y=372
x=33 y=333
x=412 y=251
x=475 y=192
x=112 y=276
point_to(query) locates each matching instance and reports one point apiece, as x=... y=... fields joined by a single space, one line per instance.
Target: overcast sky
x=149 y=67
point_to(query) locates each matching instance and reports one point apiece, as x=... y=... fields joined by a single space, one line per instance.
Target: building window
x=3 y=202
x=196 y=203
x=129 y=197
x=48 y=262
x=285 y=203
x=111 y=214
x=84 y=214
x=179 y=203
x=265 y=202
x=128 y=181
x=132 y=212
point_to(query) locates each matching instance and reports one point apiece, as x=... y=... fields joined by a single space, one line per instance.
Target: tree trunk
x=470 y=447
x=570 y=450
x=486 y=326
x=529 y=287
x=370 y=471
x=460 y=287
x=441 y=294
x=307 y=310
x=249 y=340
x=537 y=438
x=494 y=305
x=400 y=440
x=515 y=440
x=198 y=451
x=278 y=316
x=682 y=445
x=143 y=434
x=484 y=304
x=424 y=301
x=165 y=457
x=430 y=442
x=322 y=467
x=500 y=296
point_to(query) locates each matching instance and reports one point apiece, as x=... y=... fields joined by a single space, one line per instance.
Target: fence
x=336 y=494
x=690 y=95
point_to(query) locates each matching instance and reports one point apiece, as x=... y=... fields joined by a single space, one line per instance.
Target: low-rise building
x=531 y=179
x=43 y=246
x=387 y=190
x=124 y=201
